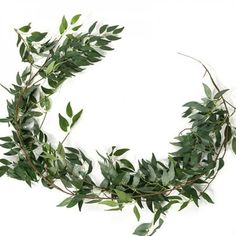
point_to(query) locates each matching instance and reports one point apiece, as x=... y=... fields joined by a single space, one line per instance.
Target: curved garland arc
x=30 y=157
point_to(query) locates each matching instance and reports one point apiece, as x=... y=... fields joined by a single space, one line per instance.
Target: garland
x=183 y=178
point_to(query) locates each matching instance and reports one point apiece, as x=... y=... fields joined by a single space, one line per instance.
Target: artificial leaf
x=74 y=201
x=185 y=204
x=234 y=145
x=63 y=25
x=6 y=139
x=156 y=216
x=65 y=202
x=69 y=110
x=18 y=79
x=109 y=203
x=220 y=93
x=221 y=163
x=165 y=178
x=37 y=36
x=3 y=170
x=47 y=90
x=63 y=123
x=161 y=221
x=142 y=229
x=5 y=162
x=117 y=31
x=76 y=117
x=92 y=27
x=76 y=27
x=120 y=152
x=50 y=68
x=207 y=197
x=112 y=37
x=123 y=197
x=207 y=91
x=103 y=29
x=136 y=213
x=25 y=28
x=106 y=48
x=75 y=19
x=111 y=28
x=127 y=163
x=196 y=105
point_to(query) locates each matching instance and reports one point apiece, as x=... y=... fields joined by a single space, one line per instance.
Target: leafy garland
x=183 y=178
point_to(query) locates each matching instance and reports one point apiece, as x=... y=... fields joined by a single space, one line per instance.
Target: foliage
x=183 y=178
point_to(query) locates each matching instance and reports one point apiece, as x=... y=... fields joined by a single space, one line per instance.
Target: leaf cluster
x=182 y=178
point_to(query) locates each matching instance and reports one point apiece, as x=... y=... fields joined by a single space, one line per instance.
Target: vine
x=183 y=178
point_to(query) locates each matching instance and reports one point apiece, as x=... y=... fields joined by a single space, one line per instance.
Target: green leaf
x=50 y=68
x=234 y=145
x=171 y=172
x=207 y=91
x=46 y=103
x=197 y=106
x=161 y=221
x=221 y=163
x=5 y=120
x=73 y=202
x=3 y=170
x=78 y=183
x=127 y=163
x=12 y=152
x=63 y=25
x=92 y=27
x=120 y=152
x=112 y=37
x=69 y=110
x=109 y=203
x=117 y=31
x=65 y=202
x=8 y=145
x=47 y=90
x=219 y=94
x=25 y=28
x=75 y=19
x=207 y=197
x=111 y=28
x=106 y=48
x=165 y=178
x=80 y=204
x=194 y=195
x=185 y=204
x=18 y=79
x=18 y=39
x=228 y=134
x=103 y=29
x=142 y=229
x=37 y=36
x=156 y=216
x=76 y=27
x=136 y=213
x=63 y=123
x=5 y=162
x=76 y=117
x=6 y=139
x=93 y=201
x=22 y=50
x=123 y=197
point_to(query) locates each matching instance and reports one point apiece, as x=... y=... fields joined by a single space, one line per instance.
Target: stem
x=44 y=118
x=65 y=137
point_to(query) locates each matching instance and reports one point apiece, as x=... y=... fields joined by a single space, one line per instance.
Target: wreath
x=183 y=178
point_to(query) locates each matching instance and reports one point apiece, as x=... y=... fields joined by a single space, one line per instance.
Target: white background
x=132 y=99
